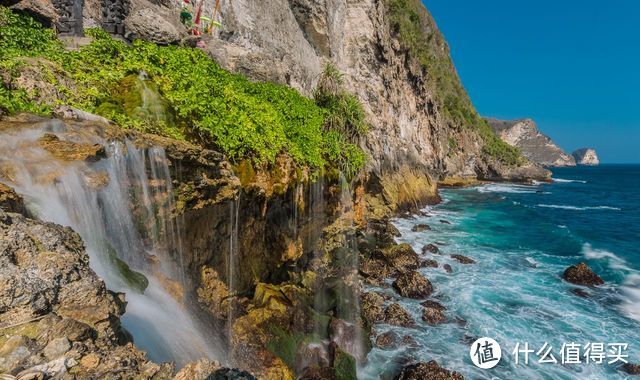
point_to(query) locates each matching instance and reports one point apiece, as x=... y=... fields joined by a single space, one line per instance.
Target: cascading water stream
x=349 y=289
x=121 y=206
x=234 y=216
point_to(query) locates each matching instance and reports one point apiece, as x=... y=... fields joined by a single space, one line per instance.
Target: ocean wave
x=562 y=180
x=615 y=262
x=631 y=291
x=568 y=207
x=507 y=188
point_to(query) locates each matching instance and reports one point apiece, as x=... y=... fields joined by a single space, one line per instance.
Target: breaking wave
x=561 y=180
x=567 y=207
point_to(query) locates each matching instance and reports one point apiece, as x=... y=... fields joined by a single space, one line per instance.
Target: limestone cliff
x=533 y=144
x=423 y=124
x=586 y=156
x=288 y=41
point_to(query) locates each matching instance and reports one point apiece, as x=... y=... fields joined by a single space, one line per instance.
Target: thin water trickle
x=234 y=216
x=121 y=207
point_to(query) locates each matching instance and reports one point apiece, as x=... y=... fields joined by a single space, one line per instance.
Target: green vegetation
x=416 y=30
x=203 y=102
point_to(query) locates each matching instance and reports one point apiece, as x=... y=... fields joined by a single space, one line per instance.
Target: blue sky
x=573 y=66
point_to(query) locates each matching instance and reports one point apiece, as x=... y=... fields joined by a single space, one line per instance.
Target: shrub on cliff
x=417 y=32
x=208 y=104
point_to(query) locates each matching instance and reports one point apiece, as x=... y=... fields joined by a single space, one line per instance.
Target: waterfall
x=349 y=289
x=152 y=106
x=234 y=216
x=121 y=206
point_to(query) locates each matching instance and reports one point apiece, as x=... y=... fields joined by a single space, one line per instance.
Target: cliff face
x=586 y=156
x=533 y=144
x=288 y=41
x=408 y=93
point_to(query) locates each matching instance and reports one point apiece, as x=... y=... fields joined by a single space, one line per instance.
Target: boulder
x=401 y=257
x=59 y=311
x=10 y=201
x=319 y=373
x=463 y=259
x=421 y=227
x=396 y=315
x=429 y=264
x=375 y=270
x=430 y=248
x=144 y=23
x=631 y=369
x=344 y=364
x=230 y=374
x=387 y=341
x=433 y=316
x=447 y=268
x=409 y=341
x=433 y=305
x=413 y=285
x=430 y=370
x=371 y=305
x=581 y=274
x=57 y=348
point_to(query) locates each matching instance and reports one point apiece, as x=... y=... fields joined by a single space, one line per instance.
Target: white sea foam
x=507 y=188
x=615 y=262
x=576 y=208
x=631 y=290
x=561 y=180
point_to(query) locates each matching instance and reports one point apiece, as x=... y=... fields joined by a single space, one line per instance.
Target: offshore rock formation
x=586 y=156
x=581 y=274
x=534 y=145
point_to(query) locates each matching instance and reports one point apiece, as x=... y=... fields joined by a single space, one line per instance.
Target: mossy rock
x=285 y=344
x=344 y=365
x=135 y=280
x=245 y=172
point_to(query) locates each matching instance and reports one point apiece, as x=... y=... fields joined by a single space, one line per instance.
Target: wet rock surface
x=430 y=370
x=631 y=368
x=463 y=259
x=10 y=201
x=71 y=151
x=429 y=263
x=581 y=274
x=433 y=316
x=396 y=315
x=57 y=316
x=430 y=248
x=413 y=285
x=421 y=228
x=372 y=304
x=387 y=340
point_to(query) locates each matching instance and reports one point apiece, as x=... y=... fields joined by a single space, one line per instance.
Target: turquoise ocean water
x=522 y=238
